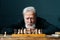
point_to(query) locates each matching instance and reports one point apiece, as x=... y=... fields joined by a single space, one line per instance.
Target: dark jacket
x=46 y=27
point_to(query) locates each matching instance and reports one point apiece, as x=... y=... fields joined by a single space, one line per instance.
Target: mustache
x=30 y=24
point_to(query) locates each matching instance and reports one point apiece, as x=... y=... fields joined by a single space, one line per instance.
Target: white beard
x=33 y=26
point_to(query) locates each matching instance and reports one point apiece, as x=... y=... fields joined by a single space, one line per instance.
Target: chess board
x=28 y=35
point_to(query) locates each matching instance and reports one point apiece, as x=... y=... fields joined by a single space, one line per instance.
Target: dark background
x=11 y=11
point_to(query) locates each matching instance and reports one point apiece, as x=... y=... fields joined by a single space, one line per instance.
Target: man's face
x=29 y=18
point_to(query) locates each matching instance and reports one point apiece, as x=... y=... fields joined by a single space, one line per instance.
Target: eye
x=27 y=18
x=32 y=18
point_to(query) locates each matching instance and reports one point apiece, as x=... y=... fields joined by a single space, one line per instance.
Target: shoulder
x=41 y=22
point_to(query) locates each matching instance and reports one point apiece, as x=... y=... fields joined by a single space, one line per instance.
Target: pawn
x=36 y=31
x=28 y=31
x=39 y=31
x=18 y=31
x=32 y=31
x=24 y=31
x=4 y=34
x=21 y=31
x=15 y=31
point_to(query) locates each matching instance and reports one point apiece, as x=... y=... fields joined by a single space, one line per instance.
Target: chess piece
x=28 y=31
x=4 y=34
x=21 y=31
x=39 y=31
x=36 y=31
x=18 y=31
x=24 y=31
x=15 y=31
x=32 y=30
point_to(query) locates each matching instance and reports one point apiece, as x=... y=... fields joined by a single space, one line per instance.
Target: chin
x=29 y=25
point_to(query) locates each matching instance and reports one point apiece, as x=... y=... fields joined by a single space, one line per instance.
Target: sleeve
x=50 y=29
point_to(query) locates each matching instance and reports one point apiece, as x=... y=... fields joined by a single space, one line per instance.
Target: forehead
x=29 y=13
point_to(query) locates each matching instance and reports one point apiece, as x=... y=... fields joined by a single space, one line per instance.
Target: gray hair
x=30 y=8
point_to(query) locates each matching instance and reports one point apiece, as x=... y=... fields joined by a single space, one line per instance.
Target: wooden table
x=9 y=37
x=29 y=38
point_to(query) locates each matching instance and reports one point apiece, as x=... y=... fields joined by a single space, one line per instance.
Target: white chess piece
x=24 y=31
x=4 y=34
x=39 y=31
x=21 y=31
x=36 y=32
x=18 y=31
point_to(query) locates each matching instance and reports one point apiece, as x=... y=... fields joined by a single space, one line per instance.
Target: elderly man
x=31 y=21
x=29 y=17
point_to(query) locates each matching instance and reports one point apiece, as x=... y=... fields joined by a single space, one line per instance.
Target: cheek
x=33 y=21
x=26 y=21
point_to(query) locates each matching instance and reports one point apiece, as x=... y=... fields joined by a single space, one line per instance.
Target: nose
x=29 y=20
